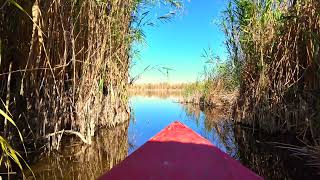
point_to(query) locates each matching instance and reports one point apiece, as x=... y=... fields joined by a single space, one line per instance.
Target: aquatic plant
x=64 y=66
x=274 y=46
x=8 y=154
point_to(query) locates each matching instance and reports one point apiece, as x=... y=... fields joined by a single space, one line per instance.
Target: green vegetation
x=193 y=88
x=223 y=71
x=273 y=63
x=64 y=65
x=8 y=154
x=275 y=47
x=219 y=79
x=64 y=62
x=158 y=86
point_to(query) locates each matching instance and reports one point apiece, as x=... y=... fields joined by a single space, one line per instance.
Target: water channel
x=151 y=114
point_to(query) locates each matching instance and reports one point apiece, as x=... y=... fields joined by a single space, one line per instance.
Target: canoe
x=177 y=152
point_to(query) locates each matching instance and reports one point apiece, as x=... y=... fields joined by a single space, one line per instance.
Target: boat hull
x=177 y=152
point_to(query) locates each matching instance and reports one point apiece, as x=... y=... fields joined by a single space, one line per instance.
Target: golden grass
x=275 y=45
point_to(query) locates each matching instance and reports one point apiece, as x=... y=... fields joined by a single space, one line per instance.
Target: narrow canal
x=149 y=116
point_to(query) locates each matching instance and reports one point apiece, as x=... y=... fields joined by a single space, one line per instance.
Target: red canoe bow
x=177 y=152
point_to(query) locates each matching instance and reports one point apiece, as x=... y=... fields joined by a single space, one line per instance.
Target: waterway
x=256 y=151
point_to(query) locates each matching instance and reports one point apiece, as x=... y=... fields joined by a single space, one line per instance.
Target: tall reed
x=274 y=44
x=64 y=65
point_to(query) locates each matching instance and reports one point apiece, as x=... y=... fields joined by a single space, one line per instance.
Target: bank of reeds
x=67 y=68
x=211 y=93
x=64 y=64
x=158 y=87
x=275 y=45
x=274 y=48
x=219 y=86
x=163 y=90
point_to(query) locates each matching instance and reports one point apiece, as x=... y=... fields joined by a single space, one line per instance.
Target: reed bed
x=274 y=47
x=163 y=90
x=158 y=86
x=211 y=93
x=69 y=63
x=108 y=148
x=64 y=64
x=274 y=50
x=64 y=68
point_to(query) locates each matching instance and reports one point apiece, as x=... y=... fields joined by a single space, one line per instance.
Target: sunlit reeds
x=275 y=47
x=64 y=64
x=8 y=154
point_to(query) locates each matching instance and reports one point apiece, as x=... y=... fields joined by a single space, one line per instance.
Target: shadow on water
x=76 y=161
x=180 y=160
x=258 y=151
x=150 y=114
x=217 y=126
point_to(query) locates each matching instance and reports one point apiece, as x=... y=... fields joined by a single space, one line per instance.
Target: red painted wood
x=177 y=152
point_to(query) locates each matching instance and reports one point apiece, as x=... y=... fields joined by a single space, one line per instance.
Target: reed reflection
x=257 y=151
x=76 y=161
x=263 y=155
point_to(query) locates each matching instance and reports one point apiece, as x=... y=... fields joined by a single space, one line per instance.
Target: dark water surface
x=152 y=114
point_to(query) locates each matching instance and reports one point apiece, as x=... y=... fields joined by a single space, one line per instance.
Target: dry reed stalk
x=70 y=63
x=279 y=56
x=108 y=148
x=71 y=68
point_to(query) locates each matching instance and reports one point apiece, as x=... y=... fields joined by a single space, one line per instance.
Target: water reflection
x=75 y=161
x=217 y=126
x=152 y=114
x=164 y=94
x=257 y=151
x=193 y=112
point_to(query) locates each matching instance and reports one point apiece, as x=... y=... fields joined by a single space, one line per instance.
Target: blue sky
x=180 y=43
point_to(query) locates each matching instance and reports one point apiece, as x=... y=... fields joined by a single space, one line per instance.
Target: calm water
x=150 y=115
